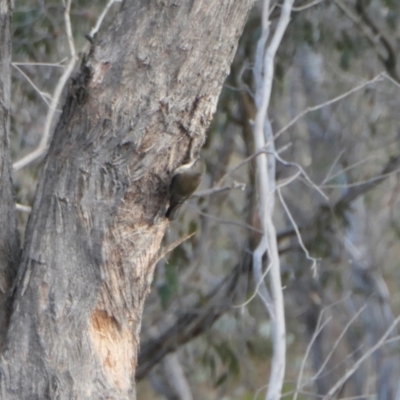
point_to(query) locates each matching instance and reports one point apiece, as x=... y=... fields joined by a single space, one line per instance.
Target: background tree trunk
x=9 y=242
x=138 y=108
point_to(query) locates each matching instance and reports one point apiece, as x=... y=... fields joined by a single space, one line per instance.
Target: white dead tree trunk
x=264 y=141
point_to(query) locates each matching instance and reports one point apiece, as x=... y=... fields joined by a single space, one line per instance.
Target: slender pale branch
x=101 y=17
x=69 y=29
x=303 y=114
x=298 y=234
x=23 y=208
x=42 y=148
x=44 y=142
x=266 y=185
x=329 y=102
x=43 y=95
x=365 y=356
x=320 y=326
x=41 y=64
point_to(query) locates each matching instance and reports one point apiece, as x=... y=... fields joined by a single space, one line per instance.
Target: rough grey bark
x=141 y=103
x=9 y=243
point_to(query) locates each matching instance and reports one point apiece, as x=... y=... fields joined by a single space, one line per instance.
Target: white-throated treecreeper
x=184 y=182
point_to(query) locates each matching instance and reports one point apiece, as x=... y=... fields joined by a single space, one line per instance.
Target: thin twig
x=361 y=183
x=214 y=190
x=23 y=208
x=284 y=182
x=331 y=168
x=391 y=79
x=43 y=95
x=251 y=157
x=304 y=174
x=42 y=148
x=306 y=6
x=44 y=141
x=41 y=64
x=256 y=290
x=328 y=103
x=330 y=177
x=101 y=18
x=367 y=354
x=301 y=115
x=172 y=246
x=317 y=331
x=68 y=28
x=262 y=290
x=304 y=360
x=298 y=234
x=340 y=337
x=224 y=221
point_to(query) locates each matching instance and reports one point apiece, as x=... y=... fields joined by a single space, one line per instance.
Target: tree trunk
x=139 y=107
x=9 y=241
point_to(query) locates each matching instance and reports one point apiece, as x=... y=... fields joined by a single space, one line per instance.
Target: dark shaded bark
x=141 y=103
x=9 y=243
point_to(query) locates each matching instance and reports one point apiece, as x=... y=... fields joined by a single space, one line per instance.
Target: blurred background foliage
x=204 y=335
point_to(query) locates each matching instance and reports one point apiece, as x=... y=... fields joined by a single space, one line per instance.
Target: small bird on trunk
x=184 y=182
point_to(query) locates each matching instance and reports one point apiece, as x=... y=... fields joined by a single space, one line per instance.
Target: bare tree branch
x=43 y=146
x=263 y=137
x=366 y=354
x=192 y=323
